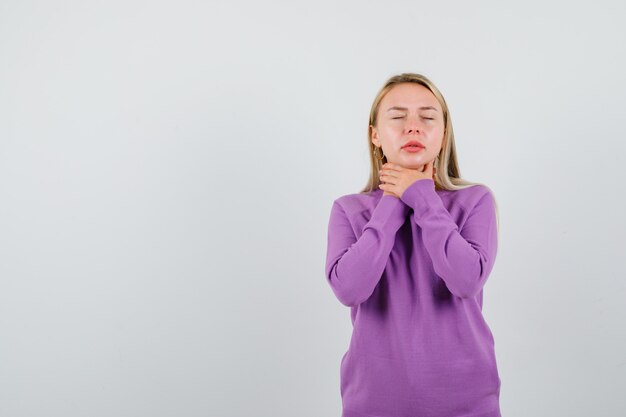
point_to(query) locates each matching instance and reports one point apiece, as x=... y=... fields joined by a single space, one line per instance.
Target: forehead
x=410 y=95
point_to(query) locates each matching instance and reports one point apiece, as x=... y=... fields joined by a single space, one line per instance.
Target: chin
x=413 y=166
x=413 y=161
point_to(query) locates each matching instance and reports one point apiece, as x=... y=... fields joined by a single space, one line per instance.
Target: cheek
x=436 y=137
x=392 y=130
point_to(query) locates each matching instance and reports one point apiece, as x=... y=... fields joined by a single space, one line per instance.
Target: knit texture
x=412 y=271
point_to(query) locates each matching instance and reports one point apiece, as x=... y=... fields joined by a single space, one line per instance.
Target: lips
x=413 y=143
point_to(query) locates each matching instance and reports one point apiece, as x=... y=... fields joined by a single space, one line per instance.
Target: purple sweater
x=412 y=271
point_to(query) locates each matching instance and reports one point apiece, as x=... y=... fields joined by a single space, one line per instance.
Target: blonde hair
x=448 y=175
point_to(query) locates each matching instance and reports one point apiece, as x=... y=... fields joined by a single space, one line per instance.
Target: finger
x=388 y=172
x=389 y=179
x=392 y=166
x=388 y=176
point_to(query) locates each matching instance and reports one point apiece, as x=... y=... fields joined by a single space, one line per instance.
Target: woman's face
x=409 y=112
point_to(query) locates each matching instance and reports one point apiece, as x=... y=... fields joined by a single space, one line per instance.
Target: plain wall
x=167 y=171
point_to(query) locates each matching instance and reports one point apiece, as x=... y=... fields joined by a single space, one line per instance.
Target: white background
x=167 y=171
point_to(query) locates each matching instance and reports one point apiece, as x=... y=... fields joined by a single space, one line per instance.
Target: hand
x=395 y=178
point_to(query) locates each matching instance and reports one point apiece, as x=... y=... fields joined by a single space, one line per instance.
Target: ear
x=375 y=139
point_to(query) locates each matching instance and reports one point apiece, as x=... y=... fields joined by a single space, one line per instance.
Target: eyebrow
x=404 y=108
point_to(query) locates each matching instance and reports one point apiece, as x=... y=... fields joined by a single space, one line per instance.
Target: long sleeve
x=462 y=258
x=354 y=266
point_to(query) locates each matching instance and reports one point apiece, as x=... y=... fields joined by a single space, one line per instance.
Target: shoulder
x=358 y=202
x=473 y=196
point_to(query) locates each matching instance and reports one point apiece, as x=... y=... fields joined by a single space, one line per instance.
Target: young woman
x=410 y=255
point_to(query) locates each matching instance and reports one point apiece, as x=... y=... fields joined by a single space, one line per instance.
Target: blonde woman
x=410 y=255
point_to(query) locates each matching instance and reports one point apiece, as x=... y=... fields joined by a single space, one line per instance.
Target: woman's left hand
x=395 y=178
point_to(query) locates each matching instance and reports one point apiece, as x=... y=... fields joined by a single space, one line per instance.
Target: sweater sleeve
x=462 y=258
x=354 y=266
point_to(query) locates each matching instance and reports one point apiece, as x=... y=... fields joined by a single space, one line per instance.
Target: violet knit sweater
x=412 y=271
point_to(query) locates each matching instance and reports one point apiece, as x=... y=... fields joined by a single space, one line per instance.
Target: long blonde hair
x=448 y=175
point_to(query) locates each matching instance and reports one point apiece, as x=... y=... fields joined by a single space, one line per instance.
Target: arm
x=354 y=266
x=463 y=259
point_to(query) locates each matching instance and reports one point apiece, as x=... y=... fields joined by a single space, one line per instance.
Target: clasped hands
x=395 y=178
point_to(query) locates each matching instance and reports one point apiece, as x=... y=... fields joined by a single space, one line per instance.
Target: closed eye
x=402 y=117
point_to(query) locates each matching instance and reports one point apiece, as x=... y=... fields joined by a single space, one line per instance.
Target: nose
x=412 y=126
